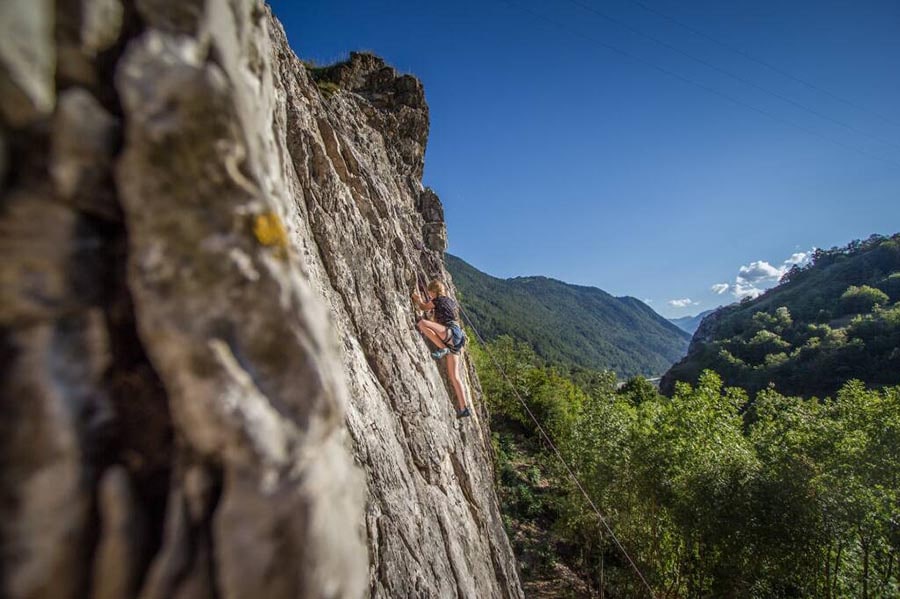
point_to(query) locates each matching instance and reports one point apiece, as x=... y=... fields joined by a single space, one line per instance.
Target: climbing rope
x=558 y=454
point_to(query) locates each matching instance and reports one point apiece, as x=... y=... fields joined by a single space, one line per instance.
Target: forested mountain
x=837 y=318
x=570 y=325
x=689 y=324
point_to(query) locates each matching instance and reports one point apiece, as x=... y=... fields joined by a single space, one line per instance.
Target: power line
x=558 y=454
x=702 y=86
x=763 y=63
x=727 y=73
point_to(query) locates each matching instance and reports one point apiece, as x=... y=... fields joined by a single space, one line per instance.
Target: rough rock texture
x=27 y=60
x=205 y=320
x=432 y=521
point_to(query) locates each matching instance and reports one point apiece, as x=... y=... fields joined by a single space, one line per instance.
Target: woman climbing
x=446 y=334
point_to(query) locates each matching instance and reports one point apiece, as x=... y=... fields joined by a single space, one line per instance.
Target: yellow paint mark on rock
x=270 y=232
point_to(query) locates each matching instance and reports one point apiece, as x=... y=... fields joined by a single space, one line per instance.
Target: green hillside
x=836 y=319
x=570 y=325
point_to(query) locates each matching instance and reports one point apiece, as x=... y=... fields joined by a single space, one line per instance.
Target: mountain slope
x=837 y=318
x=689 y=324
x=570 y=324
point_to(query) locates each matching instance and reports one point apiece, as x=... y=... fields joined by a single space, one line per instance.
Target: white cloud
x=759 y=271
x=648 y=301
x=753 y=279
x=682 y=303
x=741 y=290
x=799 y=258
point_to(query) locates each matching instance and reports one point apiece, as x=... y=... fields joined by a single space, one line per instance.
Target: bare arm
x=427 y=306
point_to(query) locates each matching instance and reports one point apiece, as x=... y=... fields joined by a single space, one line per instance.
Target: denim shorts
x=456 y=337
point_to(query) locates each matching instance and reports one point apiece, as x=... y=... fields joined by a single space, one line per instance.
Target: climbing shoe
x=440 y=353
x=464 y=413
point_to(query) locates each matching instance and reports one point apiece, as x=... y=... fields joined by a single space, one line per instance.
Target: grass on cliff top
x=328 y=88
x=320 y=74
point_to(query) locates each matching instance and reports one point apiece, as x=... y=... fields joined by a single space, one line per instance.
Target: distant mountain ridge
x=689 y=324
x=570 y=325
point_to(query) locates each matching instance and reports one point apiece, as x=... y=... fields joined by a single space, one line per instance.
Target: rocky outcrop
x=212 y=386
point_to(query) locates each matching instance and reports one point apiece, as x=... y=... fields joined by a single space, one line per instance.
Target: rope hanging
x=558 y=454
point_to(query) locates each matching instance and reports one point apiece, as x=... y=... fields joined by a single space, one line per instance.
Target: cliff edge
x=211 y=383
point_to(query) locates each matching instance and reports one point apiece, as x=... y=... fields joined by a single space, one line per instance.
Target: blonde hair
x=437 y=288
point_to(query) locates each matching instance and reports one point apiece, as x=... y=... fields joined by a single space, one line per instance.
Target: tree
x=791 y=274
x=862 y=299
x=891 y=286
x=638 y=390
x=713 y=494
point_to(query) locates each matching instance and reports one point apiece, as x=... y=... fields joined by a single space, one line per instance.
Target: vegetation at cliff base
x=792 y=497
x=835 y=319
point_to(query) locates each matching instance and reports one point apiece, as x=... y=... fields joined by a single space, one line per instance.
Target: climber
x=446 y=334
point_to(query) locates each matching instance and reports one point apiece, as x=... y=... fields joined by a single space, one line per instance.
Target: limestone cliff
x=211 y=385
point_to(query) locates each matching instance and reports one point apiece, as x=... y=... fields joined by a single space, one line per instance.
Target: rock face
x=211 y=382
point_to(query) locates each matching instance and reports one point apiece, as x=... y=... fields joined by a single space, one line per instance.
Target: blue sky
x=602 y=143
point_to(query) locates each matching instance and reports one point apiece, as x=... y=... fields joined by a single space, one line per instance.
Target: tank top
x=446 y=310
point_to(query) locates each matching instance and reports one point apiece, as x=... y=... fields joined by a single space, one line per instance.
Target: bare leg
x=435 y=327
x=436 y=333
x=431 y=331
x=453 y=375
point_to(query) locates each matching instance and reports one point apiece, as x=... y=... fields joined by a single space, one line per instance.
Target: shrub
x=860 y=300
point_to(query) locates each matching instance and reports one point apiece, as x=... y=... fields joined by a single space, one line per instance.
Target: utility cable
x=763 y=63
x=727 y=73
x=702 y=86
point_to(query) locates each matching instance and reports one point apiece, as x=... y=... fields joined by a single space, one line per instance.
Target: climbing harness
x=556 y=451
x=456 y=337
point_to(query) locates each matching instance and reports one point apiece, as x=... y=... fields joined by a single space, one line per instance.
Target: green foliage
x=638 y=390
x=713 y=495
x=824 y=324
x=880 y=332
x=860 y=300
x=777 y=322
x=891 y=286
x=552 y=398
x=570 y=326
x=833 y=464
